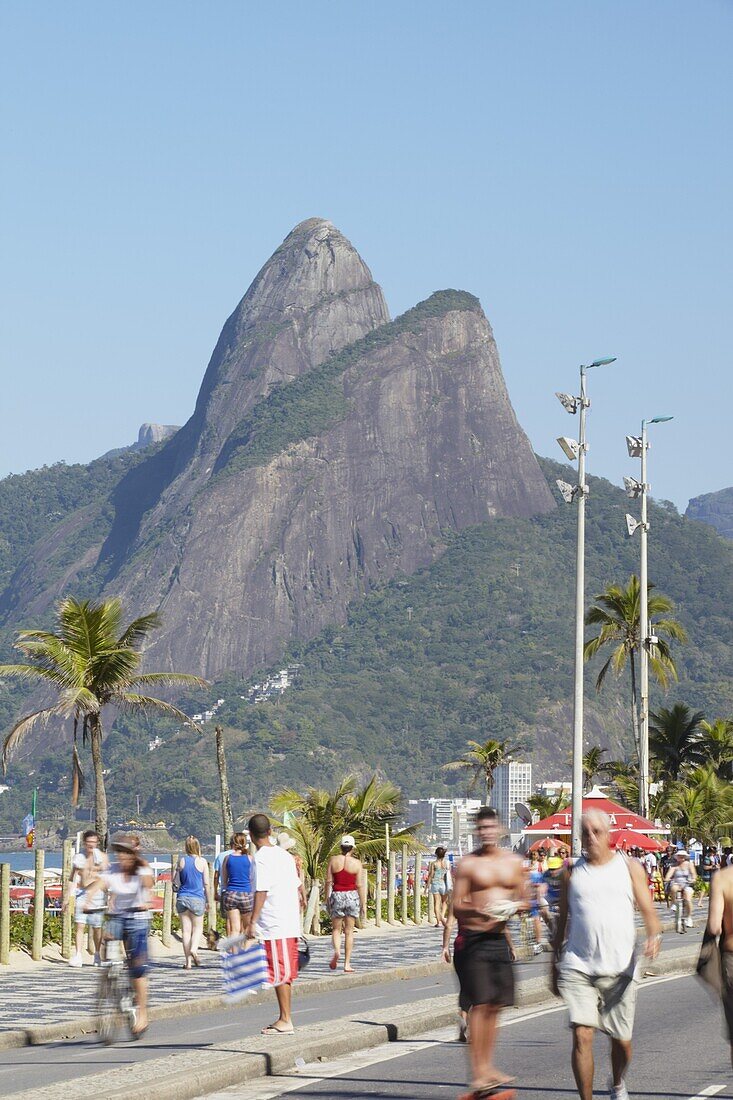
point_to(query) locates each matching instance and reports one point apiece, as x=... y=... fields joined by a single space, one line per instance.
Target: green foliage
x=315 y=401
x=21 y=930
x=482 y=760
x=34 y=503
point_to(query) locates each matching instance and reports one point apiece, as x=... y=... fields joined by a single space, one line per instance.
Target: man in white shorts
x=594 y=945
x=87 y=865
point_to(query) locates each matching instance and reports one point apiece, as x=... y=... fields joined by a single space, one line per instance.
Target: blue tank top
x=239 y=873
x=191 y=879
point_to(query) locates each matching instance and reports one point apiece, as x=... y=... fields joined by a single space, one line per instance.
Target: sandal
x=271 y=1029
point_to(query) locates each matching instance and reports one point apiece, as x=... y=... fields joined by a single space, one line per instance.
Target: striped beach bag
x=243 y=967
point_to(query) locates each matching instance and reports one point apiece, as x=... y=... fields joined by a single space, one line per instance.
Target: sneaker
x=537 y=949
x=97 y=959
x=76 y=961
x=688 y=922
x=618 y=1092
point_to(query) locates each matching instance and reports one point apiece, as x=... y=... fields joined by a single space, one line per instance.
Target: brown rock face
x=424 y=440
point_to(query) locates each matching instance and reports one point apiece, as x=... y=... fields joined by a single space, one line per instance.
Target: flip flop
x=348 y=970
x=334 y=962
x=272 y=1030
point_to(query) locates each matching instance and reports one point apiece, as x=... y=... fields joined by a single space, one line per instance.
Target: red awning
x=621 y=818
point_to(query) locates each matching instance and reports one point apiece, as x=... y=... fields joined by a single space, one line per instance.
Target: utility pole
x=577 y=450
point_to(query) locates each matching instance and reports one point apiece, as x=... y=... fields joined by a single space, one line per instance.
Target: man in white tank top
x=594 y=946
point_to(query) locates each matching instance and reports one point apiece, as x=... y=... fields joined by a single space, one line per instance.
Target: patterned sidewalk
x=54 y=993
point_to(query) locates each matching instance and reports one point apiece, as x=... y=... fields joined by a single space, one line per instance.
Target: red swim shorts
x=282 y=961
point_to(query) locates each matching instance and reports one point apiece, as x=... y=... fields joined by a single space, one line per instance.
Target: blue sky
x=569 y=162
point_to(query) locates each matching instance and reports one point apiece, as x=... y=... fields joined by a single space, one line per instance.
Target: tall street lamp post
x=576 y=449
x=638 y=447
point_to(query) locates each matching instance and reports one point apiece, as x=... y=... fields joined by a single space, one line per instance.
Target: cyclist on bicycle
x=680 y=877
x=128 y=884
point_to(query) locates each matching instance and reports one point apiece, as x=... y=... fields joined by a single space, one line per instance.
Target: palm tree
x=594 y=764
x=545 y=805
x=483 y=760
x=226 y=802
x=90 y=661
x=674 y=739
x=319 y=818
x=617 y=615
x=701 y=805
x=716 y=746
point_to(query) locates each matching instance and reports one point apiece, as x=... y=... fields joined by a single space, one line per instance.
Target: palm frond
x=23 y=727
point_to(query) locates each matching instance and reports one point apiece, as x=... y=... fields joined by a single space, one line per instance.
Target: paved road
x=680 y=1055
x=31 y=1067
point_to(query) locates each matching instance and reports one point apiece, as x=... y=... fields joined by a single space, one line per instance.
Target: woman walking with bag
x=191 y=881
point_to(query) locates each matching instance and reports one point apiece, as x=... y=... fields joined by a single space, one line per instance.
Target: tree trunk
x=100 y=794
x=635 y=708
x=226 y=802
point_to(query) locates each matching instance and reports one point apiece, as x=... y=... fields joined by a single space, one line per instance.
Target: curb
x=201 y=1072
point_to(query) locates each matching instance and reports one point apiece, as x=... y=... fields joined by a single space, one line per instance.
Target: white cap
x=286 y=841
x=348 y=841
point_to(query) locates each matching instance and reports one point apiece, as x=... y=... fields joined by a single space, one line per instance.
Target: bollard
x=212 y=899
x=67 y=914
x=431 y=908
x=4 y=914
x=416 y=895
x=39 y=898
x=361 y=922
x=311 y=909
x=378 y=894
x=165 y=936
x=404 y=884
x=390 y=888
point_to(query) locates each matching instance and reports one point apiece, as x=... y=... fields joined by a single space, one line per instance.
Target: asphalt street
x=32 y=1067
x=680 y=1054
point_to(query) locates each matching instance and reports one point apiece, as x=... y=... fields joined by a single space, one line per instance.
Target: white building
x=512 y=784
x=555 y=788
x=444 y=819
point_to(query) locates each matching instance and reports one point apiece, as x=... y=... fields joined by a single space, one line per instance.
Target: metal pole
x=577 y=802
x=378 y=894
x=643 y=639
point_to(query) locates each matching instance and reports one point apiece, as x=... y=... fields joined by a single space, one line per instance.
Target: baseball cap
x=347 y=841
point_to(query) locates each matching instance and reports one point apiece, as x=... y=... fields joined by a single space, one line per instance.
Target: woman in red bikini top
x=346 y=899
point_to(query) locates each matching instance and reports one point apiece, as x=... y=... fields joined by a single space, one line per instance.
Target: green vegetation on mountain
x=32 y=504
x=476 y=647
x=315 y=401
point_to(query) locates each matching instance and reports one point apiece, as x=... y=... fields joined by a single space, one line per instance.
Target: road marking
x=419 y=988
x=711 y=1090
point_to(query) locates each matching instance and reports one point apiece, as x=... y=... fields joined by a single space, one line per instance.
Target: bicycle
x=115 y=1000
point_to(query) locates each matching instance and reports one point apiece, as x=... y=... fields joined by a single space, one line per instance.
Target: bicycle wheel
x=109 y=1015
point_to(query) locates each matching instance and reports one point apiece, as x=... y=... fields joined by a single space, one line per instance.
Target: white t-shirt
x=275 y=872
x=79 y=863
x=126 y=894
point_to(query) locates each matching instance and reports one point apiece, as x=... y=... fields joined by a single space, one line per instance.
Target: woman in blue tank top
x=191 y=882
x=237 y=873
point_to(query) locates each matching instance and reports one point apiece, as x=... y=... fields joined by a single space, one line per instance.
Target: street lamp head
x=634 y=446
x=660 y=419
x=602 y=362
x=633 y=487
x=567 y=492
x=571 y=447
x=568 y=402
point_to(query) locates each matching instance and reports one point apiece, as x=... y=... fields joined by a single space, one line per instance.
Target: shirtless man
x=720 y=923
x=491 y=878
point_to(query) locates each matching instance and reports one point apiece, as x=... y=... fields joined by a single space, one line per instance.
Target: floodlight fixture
x=631 y=525
x=633 y=487
x=568 y=402
x=567 y=492
x=602 y=362
x=571 y=447
x=634 y=446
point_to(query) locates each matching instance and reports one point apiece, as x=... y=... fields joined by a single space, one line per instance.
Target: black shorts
x=726 y=959
x=484 y=968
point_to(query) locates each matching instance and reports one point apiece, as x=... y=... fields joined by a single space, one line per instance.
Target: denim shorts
x=189 y=903
x=132 y=930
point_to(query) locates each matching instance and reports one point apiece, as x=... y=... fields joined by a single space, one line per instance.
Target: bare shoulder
x=724 y=879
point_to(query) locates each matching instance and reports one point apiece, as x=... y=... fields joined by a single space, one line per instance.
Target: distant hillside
x=715 y=509
x=477 y=644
